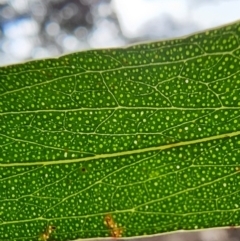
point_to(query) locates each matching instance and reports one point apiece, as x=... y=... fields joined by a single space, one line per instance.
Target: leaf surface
x=147 y=136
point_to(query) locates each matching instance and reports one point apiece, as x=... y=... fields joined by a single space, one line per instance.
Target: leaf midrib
x=132 y=152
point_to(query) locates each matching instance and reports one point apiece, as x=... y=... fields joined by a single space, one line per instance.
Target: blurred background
x=33 y=29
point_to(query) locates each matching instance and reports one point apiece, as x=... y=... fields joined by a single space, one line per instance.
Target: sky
x=204 y=14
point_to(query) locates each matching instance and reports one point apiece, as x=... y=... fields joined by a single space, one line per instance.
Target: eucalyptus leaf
x=122 y=142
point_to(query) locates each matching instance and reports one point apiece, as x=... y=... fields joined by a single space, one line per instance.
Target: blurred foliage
x=35 y=29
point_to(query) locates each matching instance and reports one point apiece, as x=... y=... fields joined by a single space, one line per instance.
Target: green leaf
x=129 y=142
